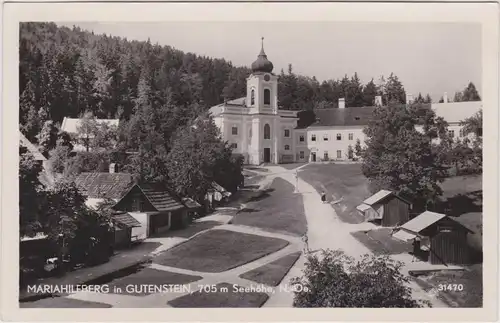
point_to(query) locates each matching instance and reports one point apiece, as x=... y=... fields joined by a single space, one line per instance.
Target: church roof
x=353 y=116
x=262 y=64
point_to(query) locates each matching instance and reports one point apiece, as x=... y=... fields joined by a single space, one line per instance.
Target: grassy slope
x=219 y=250
x=339 y=181
x=277 y=209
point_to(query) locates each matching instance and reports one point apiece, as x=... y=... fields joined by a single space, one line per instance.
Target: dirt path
x=326 y=231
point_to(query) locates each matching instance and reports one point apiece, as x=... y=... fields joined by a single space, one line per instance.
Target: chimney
x=341 y=103
x=409 y=98
x=445 y=97
x=112 y=168
x=378 y=101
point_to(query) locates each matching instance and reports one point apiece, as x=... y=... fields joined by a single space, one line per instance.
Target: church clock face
x=267 y=77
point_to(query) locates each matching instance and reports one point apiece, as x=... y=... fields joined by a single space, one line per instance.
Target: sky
x=427 y=57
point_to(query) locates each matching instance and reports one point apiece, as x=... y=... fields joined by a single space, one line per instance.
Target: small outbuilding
x=443 y=238
x=123 y=223
x=385 y=207
x=155 y=207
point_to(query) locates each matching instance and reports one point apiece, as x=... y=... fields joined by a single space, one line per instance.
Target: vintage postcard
x=252 y=161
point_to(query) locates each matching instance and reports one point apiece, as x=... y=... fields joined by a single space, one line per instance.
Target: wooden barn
x=385 y=208
x=155 y=207
x=443 y=238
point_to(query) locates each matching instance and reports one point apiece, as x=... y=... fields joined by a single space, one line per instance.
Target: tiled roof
x=353 y=116
x=160 y=197
x=190 y=203
x=31 y=148
x=126 y=220
x=104 y=185
x=70 y=125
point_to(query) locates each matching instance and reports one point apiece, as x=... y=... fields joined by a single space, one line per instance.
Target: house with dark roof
x=436 y=238
x=155 y=207
x=100 y=186
x=385 y=207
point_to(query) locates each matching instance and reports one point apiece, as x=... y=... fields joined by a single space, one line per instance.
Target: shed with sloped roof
x=444 y=238
x=385 y=207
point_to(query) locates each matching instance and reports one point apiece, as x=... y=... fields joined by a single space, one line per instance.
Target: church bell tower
x=262 y=86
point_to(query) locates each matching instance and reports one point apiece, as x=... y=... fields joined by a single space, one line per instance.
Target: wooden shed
x=385 y=207
x=155 y=207
x=444 y=238
x=123 y=224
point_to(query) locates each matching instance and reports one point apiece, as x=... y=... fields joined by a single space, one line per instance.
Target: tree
x=394 y=90
x=358 y=151
x=336 y=280
x=86 y=130
x=474 y=125
x=470 y=93
x=47 y=138
x=59 y=159
x=30 y=194
x=398 y=157
x=199 y=157
x=369 y=93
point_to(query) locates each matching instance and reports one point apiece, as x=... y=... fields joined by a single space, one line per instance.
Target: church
x=253 y=125
x=259 y=131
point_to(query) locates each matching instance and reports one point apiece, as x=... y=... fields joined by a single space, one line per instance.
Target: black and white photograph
x=251 y=164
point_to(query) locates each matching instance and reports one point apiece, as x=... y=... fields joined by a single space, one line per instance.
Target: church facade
x=258 y=130
x=253 y=125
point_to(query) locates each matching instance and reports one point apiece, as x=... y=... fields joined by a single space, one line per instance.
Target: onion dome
x=262 y=64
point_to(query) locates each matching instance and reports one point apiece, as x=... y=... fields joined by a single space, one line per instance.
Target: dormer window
x=267 y=96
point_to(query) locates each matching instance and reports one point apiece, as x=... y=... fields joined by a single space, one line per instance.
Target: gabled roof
x=352 y=116
x=160 y=197
x=126 y=220
x=31 y=148
x=104 y=185
x=70 y=125
x=381 y=195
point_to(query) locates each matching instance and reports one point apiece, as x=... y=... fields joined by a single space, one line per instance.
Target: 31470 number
x=450 y=287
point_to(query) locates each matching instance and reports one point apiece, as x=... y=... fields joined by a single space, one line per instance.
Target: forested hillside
x=67 y=72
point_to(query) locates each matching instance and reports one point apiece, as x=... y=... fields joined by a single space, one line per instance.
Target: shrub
x=336 y=280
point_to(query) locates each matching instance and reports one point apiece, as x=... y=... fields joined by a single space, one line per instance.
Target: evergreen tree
x=369 y=93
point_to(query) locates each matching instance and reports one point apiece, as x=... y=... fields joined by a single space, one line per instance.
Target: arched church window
x=252 y=97
x=267 y=132
x=267 y=96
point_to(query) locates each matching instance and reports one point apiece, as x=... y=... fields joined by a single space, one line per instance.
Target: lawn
x=462 y=194
x=149 y=276
x=471 y=280
x=276 y=209
x=381 y=242
x=224 y=296
x=272 y=273
x=219 y=250
x=339 y=181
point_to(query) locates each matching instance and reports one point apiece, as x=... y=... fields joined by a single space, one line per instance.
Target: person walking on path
x=305 y=239
x=323 y=197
